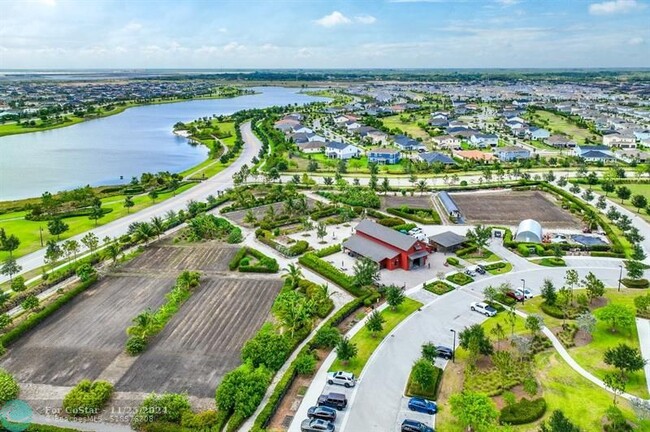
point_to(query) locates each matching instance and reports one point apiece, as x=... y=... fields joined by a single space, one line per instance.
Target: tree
x=491 y=293
x=250 y=218
x=616 y=382
x=31 y=302
x=85 y=272
x=594 y=286
x=429 y=352
x=394 y=297
x=57 y=227
x=571 y=279
x=10 y=267
x=474 y=338
x=534 y=323
x=321 y=231
x=616 y=315
x=53 y=252
x=480 y=235
x=294 y=310
x=128 y=203
x=153 y=195
x=474 y=410
x=499 y=333
x=71 y=248
x=601 y=203
x=586 y=323
x=385 y=185
x=423 y=374
x=608 y=187
x=625 y=358
x=158 y=225
x=5 y=320
x=346 y=350
x=366 y=273
x=549 y=294
x=375 y=323
x=90 y=241
x=639 y=201
x=8 y=243
x=623 y=192
x=113 y=251
x=634 y=269
x=18 y=284
x=292 y=275
x=96 y=213
x=422 y=186
x=558 y=423
x=511 y=317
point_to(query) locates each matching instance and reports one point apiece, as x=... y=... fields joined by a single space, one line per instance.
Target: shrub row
x=69 y=214
x=415 y=214
x=33 y=320
x=412 y=389
x=522 y=412
x=556 y=312
x=495 y=266
x=265 y=264
x=298 y=248
x=438 y=287
x=460 y=278
x=87 y=398
x=391 y=221
x=453 y=261
x=635 y=283
x=329 y=250
x=328 y=271
x=467 y=250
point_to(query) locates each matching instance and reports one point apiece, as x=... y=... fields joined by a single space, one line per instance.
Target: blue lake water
x=98 y=152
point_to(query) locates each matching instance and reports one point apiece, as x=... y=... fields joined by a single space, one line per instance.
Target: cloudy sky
x=324 y=34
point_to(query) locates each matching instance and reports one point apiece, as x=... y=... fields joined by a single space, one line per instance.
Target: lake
x=98 y=152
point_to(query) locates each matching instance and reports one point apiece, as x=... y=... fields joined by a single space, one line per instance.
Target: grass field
x=367 y=344
x=637 y=189
x=410 y=127
x=558 y=124
x=326 y=164
x=502 y=270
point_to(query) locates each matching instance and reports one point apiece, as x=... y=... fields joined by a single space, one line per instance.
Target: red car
x=515 y=296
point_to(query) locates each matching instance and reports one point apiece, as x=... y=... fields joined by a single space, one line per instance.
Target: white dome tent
x=529 y=231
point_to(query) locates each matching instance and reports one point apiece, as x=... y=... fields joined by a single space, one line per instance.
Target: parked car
x=316 y=425
x=420 y=236
x=480 y=270
x=322 y=412
x=338 y=401
x=409 y=425
x=444 y=352
x=468 y=272
x=483 y=308
x=515 y=295
x=416 y=230
x=341 y=378
x=526 y=293
x=422 y=405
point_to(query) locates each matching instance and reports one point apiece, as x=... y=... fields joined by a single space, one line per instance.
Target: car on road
x=338 y=401
x=515 y=295
x=480 y=270
x=444 y=352
x=316 y=425
x=409 y=425
x=483 y=308
x=345 y=379
x=422 y=405
x=322 y=412
x=526 y=293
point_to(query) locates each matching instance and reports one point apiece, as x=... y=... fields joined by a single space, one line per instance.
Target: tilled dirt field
x=510 y=208
x=239 y=215
x=170 y=257
x=203 y=340
x=415 y=201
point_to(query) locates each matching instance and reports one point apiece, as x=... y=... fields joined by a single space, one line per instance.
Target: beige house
x=447 y=142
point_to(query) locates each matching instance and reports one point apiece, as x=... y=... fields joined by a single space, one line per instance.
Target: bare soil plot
x=203 y=340
x=415 y=201
x=82 y=338
x=511 y=207
x=209 y=256
x=239 y=215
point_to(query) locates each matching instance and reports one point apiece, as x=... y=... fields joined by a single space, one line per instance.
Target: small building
x=450 y=206
x=619 y=139
x=405 y=143
x=484 y=140
x=447 y=141
x=339 y=150
x=536 y=133
x=594 y=153
x=560 y=141
x=390 y=249
x=384 y=155
x=447 y=241
x=529 y=231
x=507 y=154
x=435 y=157
x=311 y=146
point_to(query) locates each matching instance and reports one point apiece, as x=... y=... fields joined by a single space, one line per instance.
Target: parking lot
x=405 y=413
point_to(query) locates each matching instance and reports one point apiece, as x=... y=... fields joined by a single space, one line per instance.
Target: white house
x=538 y=133
x=484 y=140
x=619 y=139
x=339 y=150
x=447 y=141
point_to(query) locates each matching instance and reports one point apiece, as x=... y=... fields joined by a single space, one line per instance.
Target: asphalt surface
x=200 y=192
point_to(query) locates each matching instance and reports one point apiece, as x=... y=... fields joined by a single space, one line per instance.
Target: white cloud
x=333 y=19
x=365 y=19
x=508 y=2
x=613 y=7
x=635 y=41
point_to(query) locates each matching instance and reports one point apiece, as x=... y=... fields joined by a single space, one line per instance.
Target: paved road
x=378 y=400
x=220 y=181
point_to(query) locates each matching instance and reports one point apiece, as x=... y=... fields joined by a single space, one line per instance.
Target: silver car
x=483 y=308
x=345 y=379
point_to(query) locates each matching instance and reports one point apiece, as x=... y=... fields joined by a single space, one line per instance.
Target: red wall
x=402 y=258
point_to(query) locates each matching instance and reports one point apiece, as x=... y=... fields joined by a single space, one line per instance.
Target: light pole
x=620 y=276
x=523 y=292
x=453 y=347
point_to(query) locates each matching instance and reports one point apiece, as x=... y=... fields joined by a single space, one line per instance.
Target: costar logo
x=16 y=415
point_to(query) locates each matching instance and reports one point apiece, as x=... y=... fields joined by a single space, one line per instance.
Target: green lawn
x=502 y=270
x=410 y=127
x=485 y=256
x=558 y=124
x=637 y=189
x=549 y=262
x=367 y=344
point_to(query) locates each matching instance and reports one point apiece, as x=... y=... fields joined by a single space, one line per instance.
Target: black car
x=322 y=412
x=444 y=352
x=415 y=426
x=337 y=401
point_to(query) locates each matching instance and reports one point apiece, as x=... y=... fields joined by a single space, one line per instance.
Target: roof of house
x=441 y=138
x=509 y=149
x=448 y=202
x=404 y=140
x=369 y=249
x=311 y=144
x=475 y=154
x=591 y=154
x=448 y=239
x=384 y=150
x=431 y=157
x=385 y=234
x=337 y=145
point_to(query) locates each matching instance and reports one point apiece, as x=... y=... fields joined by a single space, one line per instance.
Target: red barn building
x=387 y=247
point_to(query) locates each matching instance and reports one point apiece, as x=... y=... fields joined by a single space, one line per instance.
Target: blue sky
x=324 y=34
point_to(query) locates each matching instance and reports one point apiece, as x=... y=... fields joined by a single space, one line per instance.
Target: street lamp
x=523 y=292
x=453 y=347
x=620 y=276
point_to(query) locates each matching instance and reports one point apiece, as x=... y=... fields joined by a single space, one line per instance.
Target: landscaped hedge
x=265 y=264
x=635 y=283
x=523 y=412
x=460 y=278
x=438 y=287
x=391 y=221
x=494 y=266
x=298 y=248
x=412 y=389
x=330 y=272
x=87 y=211
x=466 y=251
x=452 y=261
x=556 y=312
x=87 y=398
x=423 y=216
x=329 y=250
x=33 y=320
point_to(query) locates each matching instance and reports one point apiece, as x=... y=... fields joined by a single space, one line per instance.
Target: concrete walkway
x=643 y=328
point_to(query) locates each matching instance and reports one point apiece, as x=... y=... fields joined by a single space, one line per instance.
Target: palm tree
x=292 y=275
x=422 y=186
x=158 y=225
x=113 y=251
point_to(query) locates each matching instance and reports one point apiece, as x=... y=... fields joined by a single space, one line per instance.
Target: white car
x=483 y=308
x=345 y=379
x=526 y=293
x=415 y=231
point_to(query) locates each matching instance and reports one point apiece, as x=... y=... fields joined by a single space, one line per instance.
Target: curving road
x=218 y=182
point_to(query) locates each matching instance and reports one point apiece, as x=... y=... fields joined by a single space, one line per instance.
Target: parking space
x=405 y=413
x=339 y=414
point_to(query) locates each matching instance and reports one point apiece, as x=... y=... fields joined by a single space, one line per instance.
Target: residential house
x=619 y=139
x=384 y=155
x=642 y=135
x=511 y=153
x=484 y=140
x=447 y=142
x=405 y=143
x=633 y=155
x=339 y=150
x=436 y=157
x=352 y=125
x=344 y=118
x=439 y=122
x=536 y=133
x=300 y=128
x=389 y=248
x=377 y=136
x=311 y=146
x=286 y=125
x=560 y=141
x=475 y=155
x=594 y=153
